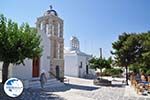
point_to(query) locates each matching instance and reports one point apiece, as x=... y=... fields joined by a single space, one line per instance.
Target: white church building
x=76 y=61
x=50 y=28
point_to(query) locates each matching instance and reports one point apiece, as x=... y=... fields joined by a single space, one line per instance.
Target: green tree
x=145 y=59
x=132 y=49
x=98 y=63
x=16 y=44
x=123 y=55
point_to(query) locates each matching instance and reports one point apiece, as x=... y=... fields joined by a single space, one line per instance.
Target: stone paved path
x=81 y=89
x=78 y=89
x=31 y=94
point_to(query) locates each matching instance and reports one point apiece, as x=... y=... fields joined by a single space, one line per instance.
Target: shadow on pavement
x=118 y=85
x=82 y=87
x=30 y=94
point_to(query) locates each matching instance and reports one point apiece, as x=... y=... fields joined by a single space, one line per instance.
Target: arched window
x=54 y=49
x=47 y=29
x=53 y=31
x=58 y=27
x=41 y=26
x=58 y=51
x=61 y=51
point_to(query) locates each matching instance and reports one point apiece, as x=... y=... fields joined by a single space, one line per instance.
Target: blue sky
x=97 y=23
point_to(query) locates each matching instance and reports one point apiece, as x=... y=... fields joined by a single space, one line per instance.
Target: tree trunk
x=5 y=72
x=126 y=75
x=101 y=73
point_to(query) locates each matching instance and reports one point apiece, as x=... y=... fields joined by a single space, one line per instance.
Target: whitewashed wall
x=82 y=71
x=71 y=65
x=18 y=71
x=21 y=71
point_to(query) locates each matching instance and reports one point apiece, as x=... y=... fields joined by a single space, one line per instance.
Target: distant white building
x=76 y=62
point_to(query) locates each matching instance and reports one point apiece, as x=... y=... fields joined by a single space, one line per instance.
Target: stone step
x=49 y=83
x=38 y=82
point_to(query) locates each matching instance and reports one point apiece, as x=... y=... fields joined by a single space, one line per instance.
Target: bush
x=107 y=72
x=112 y=72
x=102 y=82
x=143 y=69
x=148 y=72
x=135 y=69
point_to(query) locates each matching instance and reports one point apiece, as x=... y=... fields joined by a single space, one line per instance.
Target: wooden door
x=35 y=67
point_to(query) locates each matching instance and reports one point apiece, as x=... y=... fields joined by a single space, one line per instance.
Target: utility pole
x=100 y=53
x=100 y=49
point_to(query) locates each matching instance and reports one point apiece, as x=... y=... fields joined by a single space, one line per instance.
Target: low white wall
x=22 y=71
x=19 y=71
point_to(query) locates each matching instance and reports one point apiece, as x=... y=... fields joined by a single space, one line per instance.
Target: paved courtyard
x=31 y=94
x=80 y=89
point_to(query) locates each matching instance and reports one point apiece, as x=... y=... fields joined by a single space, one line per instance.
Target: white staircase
x=51 y=83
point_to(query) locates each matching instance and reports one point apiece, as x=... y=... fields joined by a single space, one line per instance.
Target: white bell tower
x=74 y=43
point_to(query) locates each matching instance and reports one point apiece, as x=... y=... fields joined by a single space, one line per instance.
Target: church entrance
x=87 y=69
x=35 y=67
x=57 y=72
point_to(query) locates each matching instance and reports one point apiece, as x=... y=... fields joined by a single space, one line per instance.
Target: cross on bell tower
x=51 y=7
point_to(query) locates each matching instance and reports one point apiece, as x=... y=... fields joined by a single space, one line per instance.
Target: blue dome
x=52 y=12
